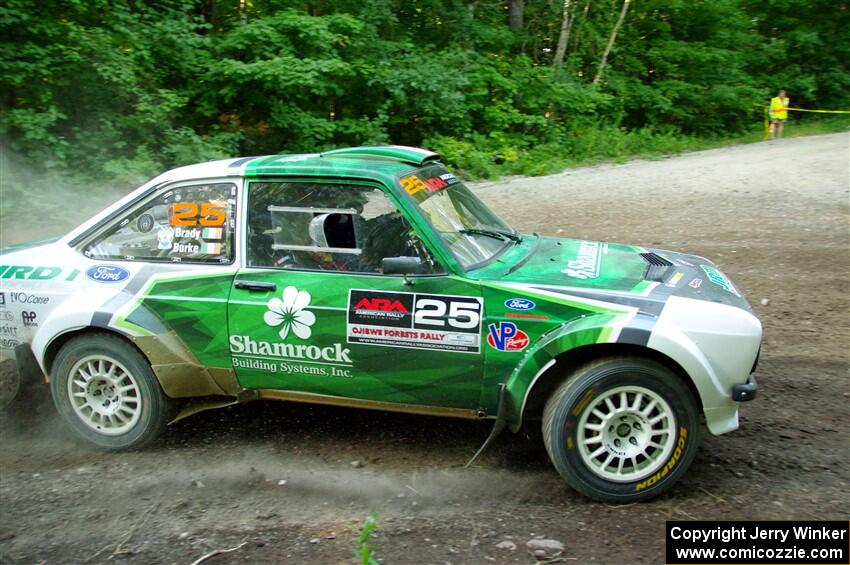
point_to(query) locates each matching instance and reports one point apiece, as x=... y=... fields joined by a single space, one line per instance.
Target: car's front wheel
x=107 y=393
x=621 y=429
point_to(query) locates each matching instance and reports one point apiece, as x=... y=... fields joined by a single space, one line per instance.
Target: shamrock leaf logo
x=289 y=313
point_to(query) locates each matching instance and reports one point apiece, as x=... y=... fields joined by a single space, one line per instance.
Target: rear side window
x=187 y=224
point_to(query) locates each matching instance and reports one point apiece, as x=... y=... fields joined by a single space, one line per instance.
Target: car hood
x=584 y=264
x=613 y=268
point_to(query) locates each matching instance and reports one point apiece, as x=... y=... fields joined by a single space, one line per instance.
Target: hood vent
x=657 y=267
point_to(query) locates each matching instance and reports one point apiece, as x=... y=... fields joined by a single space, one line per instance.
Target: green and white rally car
x=372 y=277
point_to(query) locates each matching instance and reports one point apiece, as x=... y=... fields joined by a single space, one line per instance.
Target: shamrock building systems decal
x=417 y=321
x=290 y=314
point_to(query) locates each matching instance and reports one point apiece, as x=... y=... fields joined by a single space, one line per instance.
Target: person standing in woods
x=778 y=113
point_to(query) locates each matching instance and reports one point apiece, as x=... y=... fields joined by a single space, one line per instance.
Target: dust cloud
x=36 y=205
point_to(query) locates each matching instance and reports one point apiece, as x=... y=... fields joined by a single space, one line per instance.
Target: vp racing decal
x=417 y=321
x=505 y=336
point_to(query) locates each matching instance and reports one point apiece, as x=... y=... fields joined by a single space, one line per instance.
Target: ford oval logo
x=519 y=304
x=107 y=273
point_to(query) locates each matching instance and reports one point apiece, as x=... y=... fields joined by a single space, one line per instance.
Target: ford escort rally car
x=372 y=277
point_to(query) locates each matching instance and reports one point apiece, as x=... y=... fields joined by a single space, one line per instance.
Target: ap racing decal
x=506 y=336
x=417 y=321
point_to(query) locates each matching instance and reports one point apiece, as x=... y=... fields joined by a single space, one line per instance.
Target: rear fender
x=177 y=369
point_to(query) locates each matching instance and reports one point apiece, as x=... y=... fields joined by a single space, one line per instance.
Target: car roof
x=364 y=162
x=380 y=163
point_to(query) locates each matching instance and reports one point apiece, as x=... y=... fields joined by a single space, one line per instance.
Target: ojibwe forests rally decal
x=418 y=321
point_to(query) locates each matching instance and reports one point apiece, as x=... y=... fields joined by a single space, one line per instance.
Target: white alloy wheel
x=104 y=395
x=626 y=434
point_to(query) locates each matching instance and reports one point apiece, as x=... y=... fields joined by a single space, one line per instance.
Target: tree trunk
x=515 y=15
x=577 y=34
x=611 y=41
x=564 y=37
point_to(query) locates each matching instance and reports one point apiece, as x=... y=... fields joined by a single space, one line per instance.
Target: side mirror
x=401 y=265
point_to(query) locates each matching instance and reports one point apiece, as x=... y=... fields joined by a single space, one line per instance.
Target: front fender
x=609 y=327
x=638 y=329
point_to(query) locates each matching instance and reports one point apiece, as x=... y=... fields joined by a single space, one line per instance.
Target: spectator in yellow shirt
x=778 y=113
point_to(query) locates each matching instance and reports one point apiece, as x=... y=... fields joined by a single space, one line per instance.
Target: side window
x=329 y=227
x=187 y=224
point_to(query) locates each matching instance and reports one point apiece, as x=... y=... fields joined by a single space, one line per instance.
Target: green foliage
x=364 y=550
x=124 y=89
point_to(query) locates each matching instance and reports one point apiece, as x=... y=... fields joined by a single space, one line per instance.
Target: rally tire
x=105 y=390
x=621 y=429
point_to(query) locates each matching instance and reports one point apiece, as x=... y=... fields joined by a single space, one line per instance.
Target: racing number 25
x=185 y=215
x=432 y=312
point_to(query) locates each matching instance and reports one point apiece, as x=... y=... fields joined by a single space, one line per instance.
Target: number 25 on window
x=185 y=215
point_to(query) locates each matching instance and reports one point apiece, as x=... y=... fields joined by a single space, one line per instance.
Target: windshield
x=472 y=232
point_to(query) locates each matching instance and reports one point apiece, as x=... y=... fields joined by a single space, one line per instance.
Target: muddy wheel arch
x=553 y=373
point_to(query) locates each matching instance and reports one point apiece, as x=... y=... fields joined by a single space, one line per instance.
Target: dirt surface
x=773 y=215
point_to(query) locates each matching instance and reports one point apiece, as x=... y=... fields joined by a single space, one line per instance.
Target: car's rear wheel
x=106 y=391
x=621 y=429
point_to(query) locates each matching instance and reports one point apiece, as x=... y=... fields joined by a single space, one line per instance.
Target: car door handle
x=255 y=286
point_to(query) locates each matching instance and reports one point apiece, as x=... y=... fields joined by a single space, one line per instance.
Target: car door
x=313 y=312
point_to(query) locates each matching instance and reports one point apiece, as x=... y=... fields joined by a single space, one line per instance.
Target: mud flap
x=211 y=403
x=498 y=427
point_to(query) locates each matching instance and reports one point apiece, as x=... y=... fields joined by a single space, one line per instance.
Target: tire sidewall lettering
x=570 y=412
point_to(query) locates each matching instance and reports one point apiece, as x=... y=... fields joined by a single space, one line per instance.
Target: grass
x=490 y=158
x=364 y=550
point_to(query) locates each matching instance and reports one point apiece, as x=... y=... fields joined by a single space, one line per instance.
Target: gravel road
x=295 y=482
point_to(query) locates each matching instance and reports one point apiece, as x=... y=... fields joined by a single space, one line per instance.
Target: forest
x=121 y=90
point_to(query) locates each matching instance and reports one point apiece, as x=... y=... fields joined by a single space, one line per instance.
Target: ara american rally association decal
x=418 y=321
